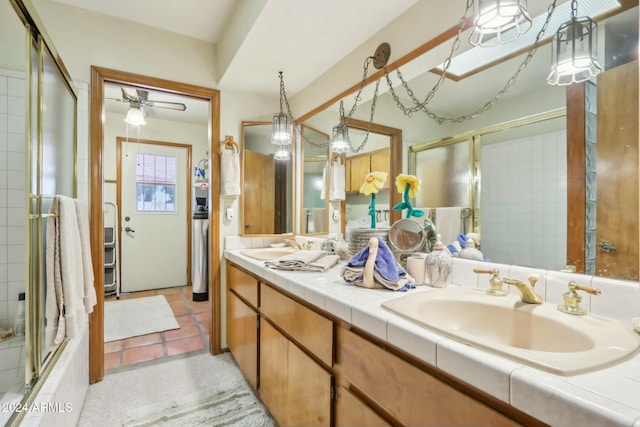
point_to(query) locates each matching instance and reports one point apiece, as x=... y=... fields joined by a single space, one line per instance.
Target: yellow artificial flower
x=412 y=181
x=373 y=182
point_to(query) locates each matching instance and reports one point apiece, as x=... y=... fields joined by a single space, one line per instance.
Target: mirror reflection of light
x=317 y=183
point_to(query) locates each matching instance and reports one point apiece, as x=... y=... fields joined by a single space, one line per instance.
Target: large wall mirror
x=315 y=191
x=268 y=184
x=554 y=158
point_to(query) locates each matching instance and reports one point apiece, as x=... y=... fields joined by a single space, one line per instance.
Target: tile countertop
x=607 y=397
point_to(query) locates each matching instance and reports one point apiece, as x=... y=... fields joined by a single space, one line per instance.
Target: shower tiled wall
x=524 y=200
x=12 y=221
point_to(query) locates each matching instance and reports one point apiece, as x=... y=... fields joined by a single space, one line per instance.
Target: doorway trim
x=100 y=76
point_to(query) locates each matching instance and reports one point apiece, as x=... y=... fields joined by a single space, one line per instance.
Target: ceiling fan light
x=574 y=52
x=281 y=130
x=340 y=142
x=135 y=117
x=499 y=21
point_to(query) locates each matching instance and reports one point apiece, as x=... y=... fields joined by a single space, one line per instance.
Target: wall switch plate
x=336 y=214
x=230 y=214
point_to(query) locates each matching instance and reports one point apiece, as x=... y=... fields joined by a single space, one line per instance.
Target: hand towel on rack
x=448 y=223
x=90 y=299
x=68 y=267
x=229 y=173
x=337 y=191
x=319 y=220
x=323 y=190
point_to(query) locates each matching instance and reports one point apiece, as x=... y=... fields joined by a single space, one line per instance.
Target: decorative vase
x=439 y=264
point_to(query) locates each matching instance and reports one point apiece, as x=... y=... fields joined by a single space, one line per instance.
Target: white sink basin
x=534 y=334
x=266 y=254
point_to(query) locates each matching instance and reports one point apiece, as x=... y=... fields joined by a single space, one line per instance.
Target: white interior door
x=154 y=219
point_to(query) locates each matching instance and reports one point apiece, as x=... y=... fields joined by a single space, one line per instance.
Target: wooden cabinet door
x=351 y=411
x=293 y=386
x=347 y=175
x=259 y=186
x=273 y=371
x=308 y=391
x=242 y=336
x=617 y=172
x=381 y=162
x=360 y=167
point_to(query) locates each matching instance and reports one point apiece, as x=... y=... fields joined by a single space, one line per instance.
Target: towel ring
x=229 y=144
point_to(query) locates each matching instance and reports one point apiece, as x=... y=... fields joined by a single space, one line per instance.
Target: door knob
x=129 y=230
x=606 y=246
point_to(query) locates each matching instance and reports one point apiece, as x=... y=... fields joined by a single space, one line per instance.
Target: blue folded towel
x=387 y=269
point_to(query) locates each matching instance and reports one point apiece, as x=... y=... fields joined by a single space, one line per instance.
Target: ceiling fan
x=140 y=98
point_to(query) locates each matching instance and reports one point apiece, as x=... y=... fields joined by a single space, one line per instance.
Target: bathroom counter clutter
x=603 y=397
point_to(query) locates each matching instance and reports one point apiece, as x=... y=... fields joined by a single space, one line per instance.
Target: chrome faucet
x=529 y=296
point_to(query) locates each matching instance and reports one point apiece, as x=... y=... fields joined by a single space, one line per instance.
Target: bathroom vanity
x=320 y=352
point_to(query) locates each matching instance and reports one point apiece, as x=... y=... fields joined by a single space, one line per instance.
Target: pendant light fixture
x=135 y=117
x=281 y=131
x=574 y=53
x=498 y=21
x=340 y=142
x=282 y=152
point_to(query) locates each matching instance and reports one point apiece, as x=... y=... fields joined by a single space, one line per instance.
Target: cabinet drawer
x=243 y=284
x=310 y=329
x=406 y=392
x=351 y=411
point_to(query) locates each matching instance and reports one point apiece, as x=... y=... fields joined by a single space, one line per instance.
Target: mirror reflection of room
x=268 y=181
x=318 y=182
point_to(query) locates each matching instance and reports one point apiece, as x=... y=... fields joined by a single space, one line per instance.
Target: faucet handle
x=495 y=282
x=572 y=299
x=588 y=289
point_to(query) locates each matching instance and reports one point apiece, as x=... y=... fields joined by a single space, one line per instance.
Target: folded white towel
x=230 y=173
x=322 y=264
x=296 y=260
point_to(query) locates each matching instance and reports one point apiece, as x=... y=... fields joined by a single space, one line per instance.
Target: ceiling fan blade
x=169 y=105
x=129 y=93
x=118 y=99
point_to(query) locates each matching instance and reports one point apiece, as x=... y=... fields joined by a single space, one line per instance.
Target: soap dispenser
x=439 y=264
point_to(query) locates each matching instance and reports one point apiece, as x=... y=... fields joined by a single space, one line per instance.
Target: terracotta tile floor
x=193 y=335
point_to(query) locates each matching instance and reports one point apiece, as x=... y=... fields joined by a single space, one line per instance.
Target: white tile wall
x=12 y=222
x=524 y=200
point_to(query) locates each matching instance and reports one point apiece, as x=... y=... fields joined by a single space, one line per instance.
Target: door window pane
x=155 y=183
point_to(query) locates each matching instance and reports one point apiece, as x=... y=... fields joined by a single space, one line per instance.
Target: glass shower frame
x=50 y=169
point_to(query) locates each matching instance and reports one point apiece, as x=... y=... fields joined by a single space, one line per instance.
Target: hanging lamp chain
x=422 y=105
x=344 y=120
